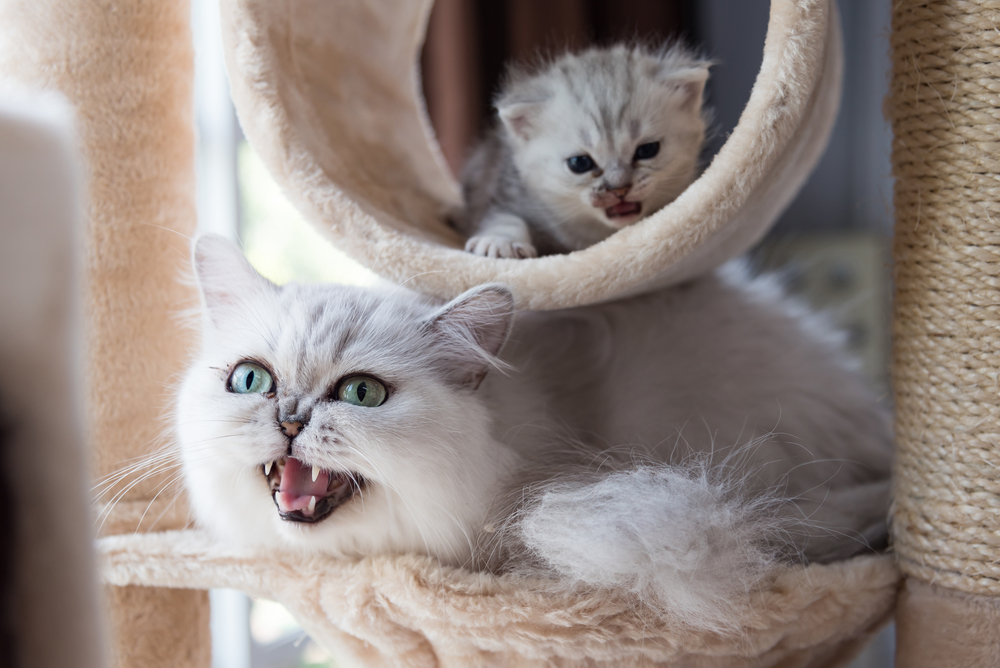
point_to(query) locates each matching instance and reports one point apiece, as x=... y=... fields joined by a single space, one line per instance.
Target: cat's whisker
x=153 y=463
x=146 y=475
x=402 y=284
x=112 y=480
x=163 y=486
x=178 y=494
x=109 y=508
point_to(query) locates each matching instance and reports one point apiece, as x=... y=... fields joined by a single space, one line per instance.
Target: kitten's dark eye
x=647 y=151
x=580 y=164
x=362 y=391
x=250 y=378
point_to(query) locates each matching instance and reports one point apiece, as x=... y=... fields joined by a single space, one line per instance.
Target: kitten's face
x=339 y=420
x=609 y=135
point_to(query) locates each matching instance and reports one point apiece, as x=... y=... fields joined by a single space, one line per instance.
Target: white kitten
x=673 y=445
x=588 y=144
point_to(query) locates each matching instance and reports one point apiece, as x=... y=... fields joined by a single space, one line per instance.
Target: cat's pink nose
x=291 y=429
x=620 y=192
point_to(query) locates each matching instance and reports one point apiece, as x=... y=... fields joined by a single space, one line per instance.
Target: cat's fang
x=306 y=493
x=267 y=469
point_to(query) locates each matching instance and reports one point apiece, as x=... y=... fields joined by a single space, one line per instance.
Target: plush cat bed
x=329 y=96
x=410 y=611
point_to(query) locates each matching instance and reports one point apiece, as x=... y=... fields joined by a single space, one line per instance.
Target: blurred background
x=831 y=246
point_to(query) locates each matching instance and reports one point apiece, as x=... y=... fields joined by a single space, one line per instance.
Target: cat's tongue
x=623 y=209
x=298 y=487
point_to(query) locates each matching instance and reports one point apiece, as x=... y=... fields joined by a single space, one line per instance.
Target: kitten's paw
x=493 y=246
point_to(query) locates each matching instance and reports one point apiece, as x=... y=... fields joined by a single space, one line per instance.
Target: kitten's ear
x=689 y=83
x=225 y=277
x=475 y=326
x=520 y=118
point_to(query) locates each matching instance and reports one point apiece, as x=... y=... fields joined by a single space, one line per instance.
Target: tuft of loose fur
x=675 y=447
x=584 y=145
x=681 y=539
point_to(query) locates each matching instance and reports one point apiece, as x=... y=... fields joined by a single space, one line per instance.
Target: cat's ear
x=521 y=104
x=225 y=277
x=473 y=327
x=520 y=112
x=520 y=118
x=689 y=84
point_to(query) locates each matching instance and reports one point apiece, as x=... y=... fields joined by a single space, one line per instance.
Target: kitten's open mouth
x=306 y=493
x=624 y=210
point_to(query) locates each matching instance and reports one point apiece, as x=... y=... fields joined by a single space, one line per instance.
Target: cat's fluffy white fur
x=682 y=541
x=676 y=445
x=522 y=195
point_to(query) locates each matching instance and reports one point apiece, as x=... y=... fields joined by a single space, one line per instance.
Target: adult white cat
x=675 y=445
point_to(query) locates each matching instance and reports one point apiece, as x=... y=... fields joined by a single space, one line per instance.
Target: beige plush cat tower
x=328 y=94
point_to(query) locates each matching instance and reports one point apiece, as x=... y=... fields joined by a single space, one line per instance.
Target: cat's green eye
x=362 y=391
x=250 y=378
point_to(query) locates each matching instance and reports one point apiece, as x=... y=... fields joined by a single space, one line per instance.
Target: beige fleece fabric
x=938 y=626
x=126 y=67
x=328 y=94
x=411 y=611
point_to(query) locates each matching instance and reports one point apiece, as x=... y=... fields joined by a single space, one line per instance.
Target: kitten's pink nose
x=291 y=429
x=620 y=192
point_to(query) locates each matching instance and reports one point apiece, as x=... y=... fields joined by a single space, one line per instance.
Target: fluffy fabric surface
x=946 y=627
x=132 y=95
x=338 y=120
x=411 y=611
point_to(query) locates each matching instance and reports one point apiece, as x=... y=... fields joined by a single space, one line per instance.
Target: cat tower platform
x=328 y=95
x=410 y=611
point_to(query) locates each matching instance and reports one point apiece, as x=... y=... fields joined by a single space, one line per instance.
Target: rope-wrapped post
x=127 y=67
x=945 y=111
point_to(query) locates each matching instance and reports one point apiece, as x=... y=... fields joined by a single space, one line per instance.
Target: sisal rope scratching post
x=127 y=68
x=945 y=109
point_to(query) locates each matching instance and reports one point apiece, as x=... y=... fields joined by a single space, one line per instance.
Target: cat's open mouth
x=306 y=493
x=624 y=210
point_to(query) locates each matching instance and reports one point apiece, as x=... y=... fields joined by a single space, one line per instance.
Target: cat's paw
x=494 y=246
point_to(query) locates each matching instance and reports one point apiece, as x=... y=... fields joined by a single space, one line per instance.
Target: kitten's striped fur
x=521 y=197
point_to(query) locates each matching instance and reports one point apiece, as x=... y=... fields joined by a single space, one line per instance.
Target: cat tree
x=328 y=95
